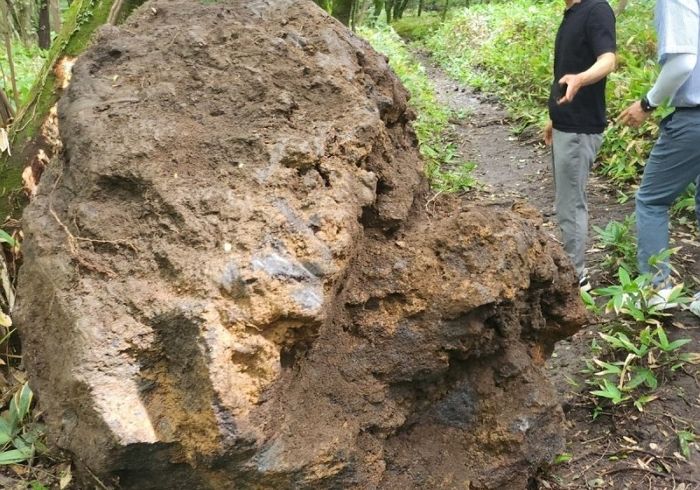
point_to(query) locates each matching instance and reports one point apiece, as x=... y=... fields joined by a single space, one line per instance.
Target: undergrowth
x=28 y=61
x=618 y=241
x=21 y=433
x=443 y=166
x=507 y=49
x=636 y=356
x=417 y=28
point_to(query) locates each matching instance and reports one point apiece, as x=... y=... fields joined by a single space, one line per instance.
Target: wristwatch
x=646 y=105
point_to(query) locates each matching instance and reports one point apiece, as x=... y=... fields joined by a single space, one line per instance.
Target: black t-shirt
x=586 y=32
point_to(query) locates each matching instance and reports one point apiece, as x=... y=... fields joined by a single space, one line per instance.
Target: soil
x=622 y=448
x=248 y=288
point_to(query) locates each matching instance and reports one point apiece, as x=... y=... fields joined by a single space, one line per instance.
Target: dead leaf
x=20 y=470
x=5 y=320
x=691 y=243
x=6 y=284
x=664 y=465
x=66 y=477
x=642 y=464
x=4 y=142
x=692 y=357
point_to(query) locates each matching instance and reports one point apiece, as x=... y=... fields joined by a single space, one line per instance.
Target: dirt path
x=622 y=449
x=510 y=167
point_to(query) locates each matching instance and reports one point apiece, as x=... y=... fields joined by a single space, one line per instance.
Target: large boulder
x=232 y=280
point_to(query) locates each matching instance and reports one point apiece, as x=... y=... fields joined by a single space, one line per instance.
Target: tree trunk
x=399 y=7
x=621 y=7
x=121 y=9
x=26 y=10
x=6 y=111
x=444 y=11
x=377 y=11
x=44 y=27
x=55 y=14
x=11 y=65
x=420 y=7
x=360 y=12
x=83 y=18
x=322 y=4
x=389 y=9
x=353 y=14
x=15 y=21
x=342 y=10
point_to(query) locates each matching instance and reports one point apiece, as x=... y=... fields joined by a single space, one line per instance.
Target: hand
x=634 y=116
x=548 y=133
x=574 y=84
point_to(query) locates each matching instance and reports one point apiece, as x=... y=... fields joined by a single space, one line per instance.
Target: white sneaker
x=694 y=306
x=660 y=299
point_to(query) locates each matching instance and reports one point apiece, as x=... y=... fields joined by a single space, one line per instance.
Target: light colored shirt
x=678 y=29
x=675 y=72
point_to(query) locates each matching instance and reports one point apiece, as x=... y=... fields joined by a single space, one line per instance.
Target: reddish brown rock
x=231 y=279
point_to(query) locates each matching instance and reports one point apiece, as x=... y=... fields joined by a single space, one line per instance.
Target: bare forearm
x=604 y=65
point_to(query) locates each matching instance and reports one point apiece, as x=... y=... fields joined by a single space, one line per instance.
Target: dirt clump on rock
x=243 y=288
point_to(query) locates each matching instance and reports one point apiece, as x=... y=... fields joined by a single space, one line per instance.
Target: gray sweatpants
x=573 y=155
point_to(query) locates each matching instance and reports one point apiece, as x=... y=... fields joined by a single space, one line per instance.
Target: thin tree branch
x=11 y=62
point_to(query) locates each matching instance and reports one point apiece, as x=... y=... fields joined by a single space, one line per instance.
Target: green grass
x=443 y=168
x=507 y=49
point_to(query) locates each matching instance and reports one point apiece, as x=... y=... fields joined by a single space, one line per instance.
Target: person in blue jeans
x=675 y=160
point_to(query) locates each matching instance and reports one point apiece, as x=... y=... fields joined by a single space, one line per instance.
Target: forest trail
x=625 y=449
x=512 y=167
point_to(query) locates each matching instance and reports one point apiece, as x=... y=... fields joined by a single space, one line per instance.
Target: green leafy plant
x=631 y=374
x=18 y=438
x=685 y=439
x=590 y=303
x=7 y=238
x=459 y=179
x=684 y=207
x=619 y=241
x=563 y=458
x=639 y=299
x=611 y=392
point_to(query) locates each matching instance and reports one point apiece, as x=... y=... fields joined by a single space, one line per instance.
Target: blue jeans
x=673 y=164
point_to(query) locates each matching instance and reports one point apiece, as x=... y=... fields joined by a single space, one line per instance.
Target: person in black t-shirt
x=584 y=55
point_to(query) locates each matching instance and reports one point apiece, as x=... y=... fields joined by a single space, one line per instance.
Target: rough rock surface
x=231 y=279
